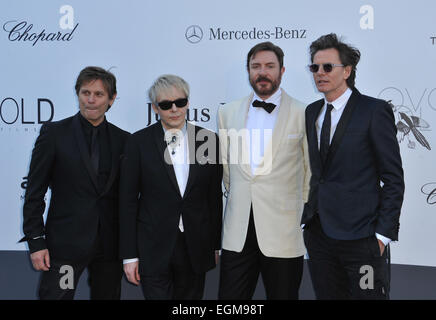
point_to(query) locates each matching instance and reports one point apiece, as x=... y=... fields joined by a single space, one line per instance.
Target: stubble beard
x=265 y=91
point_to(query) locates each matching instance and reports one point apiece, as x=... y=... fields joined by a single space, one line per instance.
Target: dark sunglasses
x=327 y=67
x=166 y=104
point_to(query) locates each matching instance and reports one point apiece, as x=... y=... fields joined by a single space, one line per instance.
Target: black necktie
x=325 y=134
x=269 y=107
x=95 y=149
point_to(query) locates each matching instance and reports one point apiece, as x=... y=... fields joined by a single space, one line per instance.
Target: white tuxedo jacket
x=279 y=186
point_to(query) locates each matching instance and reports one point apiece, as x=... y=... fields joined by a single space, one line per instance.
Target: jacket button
x=321 y=181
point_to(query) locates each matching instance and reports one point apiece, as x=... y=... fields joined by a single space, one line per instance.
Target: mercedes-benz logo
x=194 y=34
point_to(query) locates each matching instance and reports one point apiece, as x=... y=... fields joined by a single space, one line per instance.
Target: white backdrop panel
x=141 y=40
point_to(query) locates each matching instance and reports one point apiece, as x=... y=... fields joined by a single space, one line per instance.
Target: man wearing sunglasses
x=266 y=194
x=170 y=199
x=356 y=189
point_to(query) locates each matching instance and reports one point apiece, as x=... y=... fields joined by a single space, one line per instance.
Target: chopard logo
x=23 y=31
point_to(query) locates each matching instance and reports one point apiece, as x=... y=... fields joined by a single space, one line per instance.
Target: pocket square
x=295 y=136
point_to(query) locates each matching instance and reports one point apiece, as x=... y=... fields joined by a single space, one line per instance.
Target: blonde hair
x=166 y=82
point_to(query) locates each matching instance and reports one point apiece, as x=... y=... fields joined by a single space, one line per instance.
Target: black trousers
x=104 y=277
x=179 y=281
x=239 y=272
x=346 y=269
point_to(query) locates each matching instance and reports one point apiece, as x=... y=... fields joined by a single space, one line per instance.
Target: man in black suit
x=78 y=158
x=350 y=216
x=170 y=199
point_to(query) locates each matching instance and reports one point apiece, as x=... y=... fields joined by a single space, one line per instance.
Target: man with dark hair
x=78 y=158
x=266 y=178
x=266 y=46
x=93 y=73
x=357 y=186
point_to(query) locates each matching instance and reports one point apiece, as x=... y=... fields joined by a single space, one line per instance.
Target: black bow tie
x=269 y=107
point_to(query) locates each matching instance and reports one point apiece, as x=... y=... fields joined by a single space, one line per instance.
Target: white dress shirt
x=180 y=159
x=336 y=113
x=260 y=125
x=179 y=154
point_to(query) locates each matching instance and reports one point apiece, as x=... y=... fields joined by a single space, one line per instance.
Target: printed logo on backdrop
x=429 y=189
x=24 y=187
x=408 y=107
x=23 y=115
x=24 y=31
x=192 y=114
x=194 y=33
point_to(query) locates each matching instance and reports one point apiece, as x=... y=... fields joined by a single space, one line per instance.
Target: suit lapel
x=277 y=134
x=161 y=146
x=342 y=126
x=113 y=143
x=312 y=134
x=240 y=126
x=83 y=149
x=191 y=134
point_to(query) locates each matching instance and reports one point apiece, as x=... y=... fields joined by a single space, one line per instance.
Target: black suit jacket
x=61 y=161
x=345 y=191
x=151 y=203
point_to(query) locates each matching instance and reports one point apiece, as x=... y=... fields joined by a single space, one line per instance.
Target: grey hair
x=166 y=82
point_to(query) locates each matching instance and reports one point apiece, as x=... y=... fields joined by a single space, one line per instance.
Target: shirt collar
x=341 y=101
x=88 y=125
x=275 y=98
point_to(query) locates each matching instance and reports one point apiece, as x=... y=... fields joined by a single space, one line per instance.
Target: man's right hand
x=40 y=260
x=131 y=271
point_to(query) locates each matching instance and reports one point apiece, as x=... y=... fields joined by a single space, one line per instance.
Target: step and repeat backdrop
x=44 y=45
